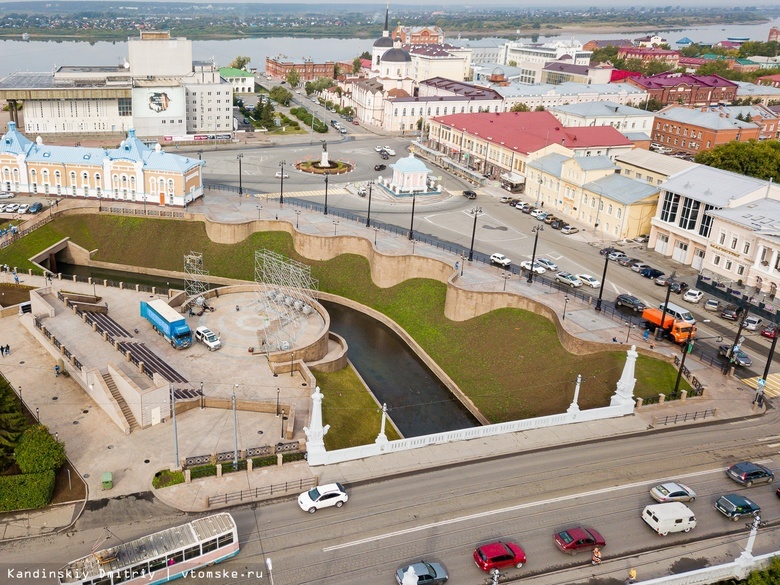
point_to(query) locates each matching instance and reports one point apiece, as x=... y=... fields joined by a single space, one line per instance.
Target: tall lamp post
x=603 y=282
x=476 y=212
x=326 y=195
x=368 y=217
x=565 y=303
x=411 y=226
x=738 y=337
x=297 y=217
x=281 y=187
x=536 y=230
x=240 y=178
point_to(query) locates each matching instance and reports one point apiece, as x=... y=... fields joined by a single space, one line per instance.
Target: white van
x=679 y=313
x=670 y=517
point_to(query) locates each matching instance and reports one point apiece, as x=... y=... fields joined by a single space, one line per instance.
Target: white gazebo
x=410 y=176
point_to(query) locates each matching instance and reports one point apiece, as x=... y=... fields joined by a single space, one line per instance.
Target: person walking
x=57 y=371
x=631 y=576
x=7 y=349
x=596 y=558
x=2 y=351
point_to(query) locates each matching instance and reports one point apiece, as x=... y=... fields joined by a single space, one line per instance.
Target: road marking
x=519 y=507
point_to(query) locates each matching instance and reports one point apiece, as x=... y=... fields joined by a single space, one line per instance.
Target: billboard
x=158 y=102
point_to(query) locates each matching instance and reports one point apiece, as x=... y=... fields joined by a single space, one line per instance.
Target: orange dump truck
x=679 y=331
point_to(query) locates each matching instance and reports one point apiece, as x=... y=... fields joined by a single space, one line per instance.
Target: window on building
x=746 y=248
x=689 y=214
x=669 y=208
x=716 y=260
x=125 y=106
x=734 y=243
x=740 y=269
x=728 y=265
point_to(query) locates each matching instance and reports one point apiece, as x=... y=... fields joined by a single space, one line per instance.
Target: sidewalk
x=723 y=394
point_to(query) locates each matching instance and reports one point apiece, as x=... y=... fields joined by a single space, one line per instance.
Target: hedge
x=27 y=491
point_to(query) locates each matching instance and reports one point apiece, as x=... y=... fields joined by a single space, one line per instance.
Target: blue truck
x=167 y=322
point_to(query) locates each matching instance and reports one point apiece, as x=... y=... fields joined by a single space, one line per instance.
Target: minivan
x=669 y=517
x=679 y=313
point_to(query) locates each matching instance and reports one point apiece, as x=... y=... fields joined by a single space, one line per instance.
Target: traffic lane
x=401 y=505
x=614 y=511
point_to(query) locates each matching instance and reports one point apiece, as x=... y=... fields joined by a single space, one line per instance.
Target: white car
x=6 y=195
x=11 y=207
x=23 y=208
x=538 y=268
x=568 y=278
x=500 y=259
x=569 y=229
x=693 y=295
x=323 y=496
x=281 y=175
x=548 y=264
x=388 y=150
x=379 y=148
x=752 y=323
x=207 y=336
x=538 y=212
x=589 y=280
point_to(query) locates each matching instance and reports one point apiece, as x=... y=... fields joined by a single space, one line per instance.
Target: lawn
x=509 y=361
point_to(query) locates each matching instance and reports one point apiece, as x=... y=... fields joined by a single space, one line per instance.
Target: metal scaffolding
x=195 y=286
x=285 y=293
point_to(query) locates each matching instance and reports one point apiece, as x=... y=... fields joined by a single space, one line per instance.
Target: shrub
x=23 y=492
x=268 y=461
x=290 y=457
x=228 y=467
x=203 y=471
x=166 y=477
x=38 y=451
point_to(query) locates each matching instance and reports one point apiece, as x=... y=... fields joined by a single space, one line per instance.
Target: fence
x=289 y=447
x=262 y=492
x=673 y=419
x=44 y=219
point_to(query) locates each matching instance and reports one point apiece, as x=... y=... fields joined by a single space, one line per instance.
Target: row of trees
x=759 y=159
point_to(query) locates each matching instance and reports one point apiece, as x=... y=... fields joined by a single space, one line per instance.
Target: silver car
x=672 y=492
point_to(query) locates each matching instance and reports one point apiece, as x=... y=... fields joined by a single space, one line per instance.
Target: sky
x=438 y=4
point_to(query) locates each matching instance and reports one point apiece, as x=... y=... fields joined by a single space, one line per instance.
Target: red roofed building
x=771 y=80
x=499 y=144
x=687 y=89
x=647 y=55
x=620 y=75
x=691 y=64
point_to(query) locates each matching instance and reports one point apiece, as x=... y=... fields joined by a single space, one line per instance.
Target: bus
x=159 y=557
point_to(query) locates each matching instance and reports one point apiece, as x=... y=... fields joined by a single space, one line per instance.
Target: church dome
x=396 y=55
x=383 y=42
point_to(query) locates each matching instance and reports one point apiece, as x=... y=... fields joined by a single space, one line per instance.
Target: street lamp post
x=506 y=276
x=368 y=217
x=270 y=566
x=738 y=337
x=200 y=155
x=603 y=282
x=335 y=226
x=565 y=303
x=536 y=230
x=281 y=187
x=259 y=209
x=687 y=347
x=297 y=217
x=240 y=176
x=326 y=195
x=629 y=326
x=376 y=231
x=411 y=226
x=283 y=417
x=278 y=391
x=476 y=212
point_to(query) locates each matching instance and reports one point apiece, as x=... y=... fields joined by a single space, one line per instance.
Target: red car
x=499 y=555
x=769 y=332
x=578 y=538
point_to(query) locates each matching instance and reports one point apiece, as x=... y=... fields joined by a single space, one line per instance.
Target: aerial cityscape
x=345 y=293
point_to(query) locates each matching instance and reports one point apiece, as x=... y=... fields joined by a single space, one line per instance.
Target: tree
x=655 y=67
x=37 y=451
x=293 y=78
x=356 y=65
x=12 y=424
x=520 y=107
x=652 y=105
x=754 y=159
x=512 y=63
x=365 y=55
x=280 y=95
x=713 y=67
x=239 y=62
x=608 y=53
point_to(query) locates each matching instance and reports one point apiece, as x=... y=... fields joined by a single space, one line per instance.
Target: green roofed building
x=242 y=81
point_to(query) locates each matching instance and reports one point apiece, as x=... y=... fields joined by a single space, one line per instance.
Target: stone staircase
x=128 y=414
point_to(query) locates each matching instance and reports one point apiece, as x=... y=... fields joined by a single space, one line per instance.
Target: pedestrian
x=457 y=266
x=631 y=576
x=646 y=335
x=596 y=558
x=652 y=347
x=7 y=349
x=16 y=278
x=57 y=371
x=2 y=351
x=614 y=340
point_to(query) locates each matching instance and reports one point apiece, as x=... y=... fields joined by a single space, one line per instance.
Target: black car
x=468 y=194
x=678 y=287
x=384 y=155
x=651 y=273
x=605 y=251
x=380 y=167
x=558 y=224
x=630 y=302
x=731 y=312
x=748 y=473
x=735 y=506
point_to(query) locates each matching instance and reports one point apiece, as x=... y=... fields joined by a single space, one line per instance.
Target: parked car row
x=36 y=207
x=550 y=219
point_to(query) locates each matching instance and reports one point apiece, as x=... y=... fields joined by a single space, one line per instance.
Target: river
x=42 y=56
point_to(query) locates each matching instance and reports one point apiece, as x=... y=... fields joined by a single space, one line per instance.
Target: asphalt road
x=443 y=514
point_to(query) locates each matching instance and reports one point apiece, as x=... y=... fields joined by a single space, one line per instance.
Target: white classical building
x=484 y=51
x=533 y=57
x=605 y=113
x=551 y=96
x=683 y=225
x=410 y=177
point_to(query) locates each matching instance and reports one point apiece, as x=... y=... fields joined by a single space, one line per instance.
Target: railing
x=673 y=419
x=264 y=491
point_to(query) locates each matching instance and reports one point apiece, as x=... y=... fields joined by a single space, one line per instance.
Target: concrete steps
x=128 y=414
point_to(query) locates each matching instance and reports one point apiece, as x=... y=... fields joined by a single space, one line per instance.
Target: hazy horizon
x=525 y=4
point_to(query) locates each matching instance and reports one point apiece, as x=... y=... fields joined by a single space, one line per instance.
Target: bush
x=38 y=451
x=23 y=492
x=290 y=457
x=228 y=466
x=166 y=477
x=203 y=471
x=269 y=461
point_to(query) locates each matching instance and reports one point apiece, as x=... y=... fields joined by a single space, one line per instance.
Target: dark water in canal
x=417 y=401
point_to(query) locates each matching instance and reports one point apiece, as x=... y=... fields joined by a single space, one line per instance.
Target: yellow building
x=133 y=172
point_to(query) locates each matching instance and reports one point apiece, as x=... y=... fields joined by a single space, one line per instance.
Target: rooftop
x=622 y=189
x=716 y=187
x=568 y=88
x=601 y=109
x=675 y=79
x=654 y=162
x=760 y=216
x=714 y=119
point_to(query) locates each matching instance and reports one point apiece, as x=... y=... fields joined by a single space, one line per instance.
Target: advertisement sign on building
x=158 y=102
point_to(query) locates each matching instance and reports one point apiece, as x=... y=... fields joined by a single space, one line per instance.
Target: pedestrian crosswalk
x=771 y=388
